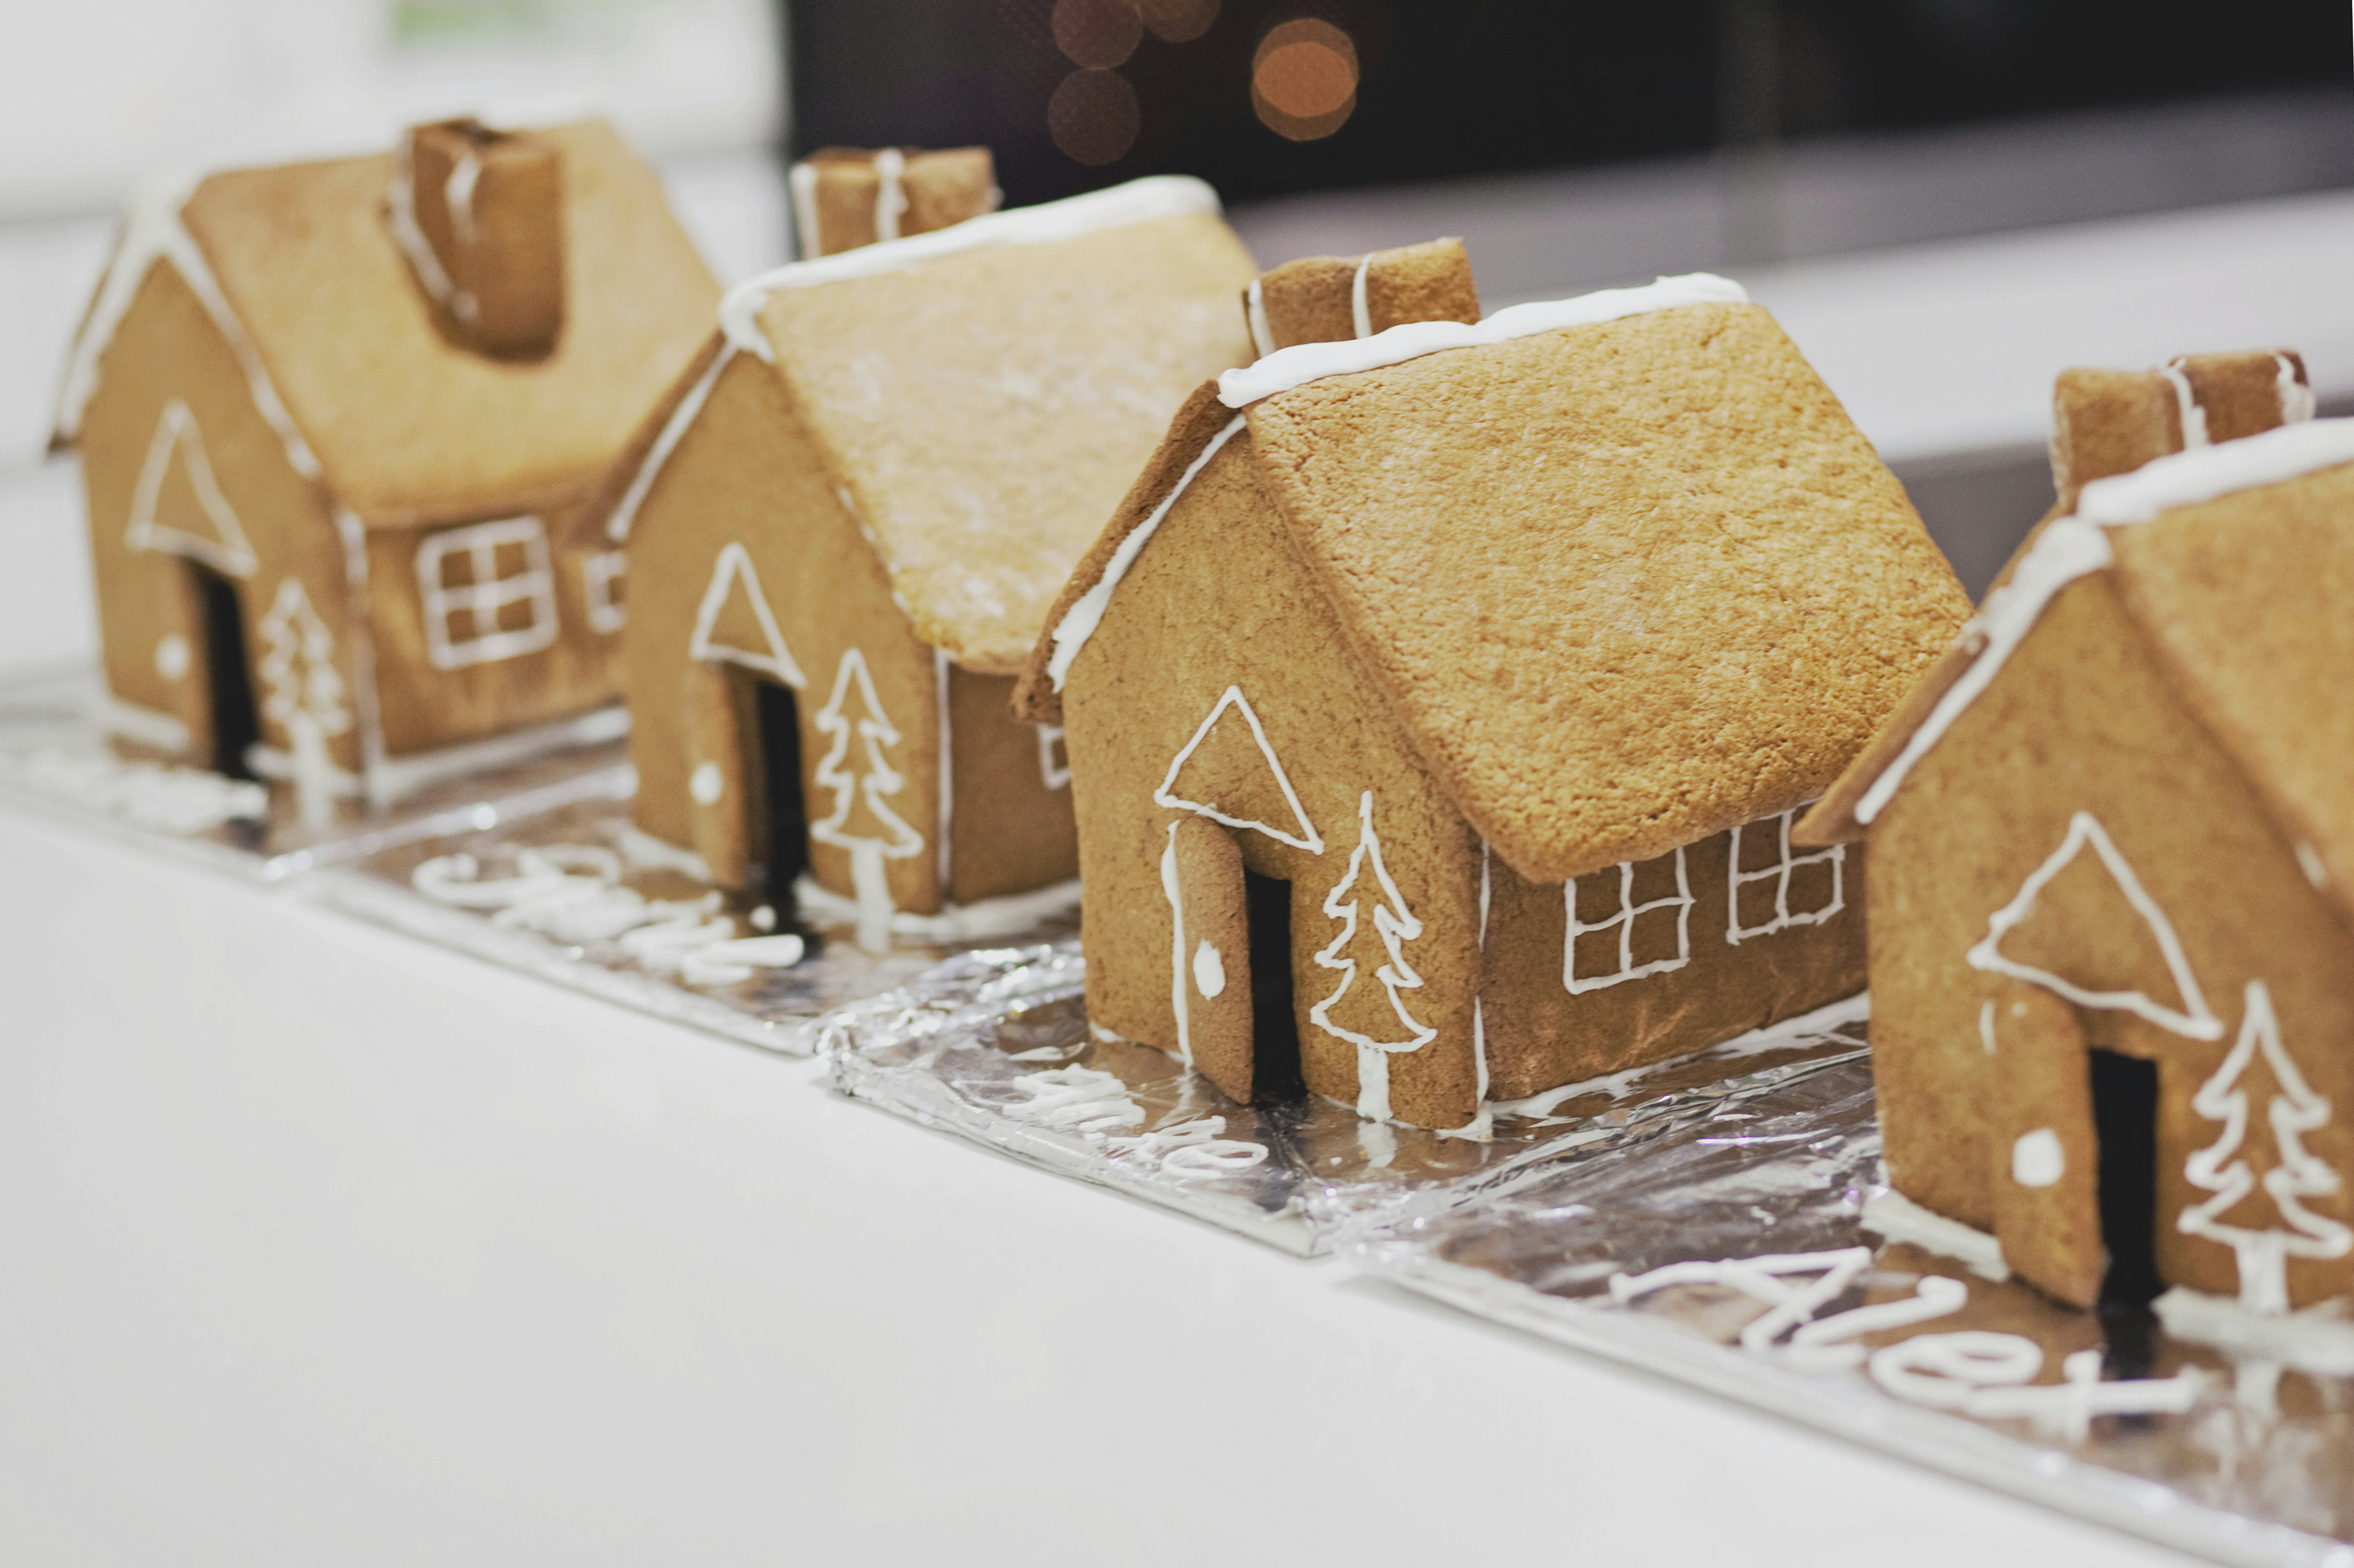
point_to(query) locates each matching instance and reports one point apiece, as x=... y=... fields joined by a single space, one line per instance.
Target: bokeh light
x=1304 y=79
x=1178 y=21
x=1096 y=33
x=1094 y=117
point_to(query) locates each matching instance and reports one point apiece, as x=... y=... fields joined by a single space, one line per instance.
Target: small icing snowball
x=172 y=657
x=1209 y=969
x=764 y=918
x=706 y=785
x=2037 y=1160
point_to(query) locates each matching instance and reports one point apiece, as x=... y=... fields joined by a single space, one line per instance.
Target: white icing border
x=1232 y=697
x=2205 y=473
x=734 y=565
x=1138 y=201
x=1304 y=361
x=675 y=428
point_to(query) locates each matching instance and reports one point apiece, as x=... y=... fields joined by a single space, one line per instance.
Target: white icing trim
x=1304 y=361
x=177 y=431
x=625 y=512
x=391 y=777
x=807 y=243
x=874 y=779
x=1173 y=888
x=735 y=566
x=1138 y=201
x=1900 y=1219
x=1360 y=316
x=1255 y=312
x=1086 y=612
x=485 y=594
x=2205 y=473
x=2194 y=1021
x=401 y=217
x=1481 y=1127
x=1784 y=864
x=1396 y=925
x=1308 y=838
x=2318 y=1340
x=159 y=731
x=1009 y=915
x=2295 y=396
x=2067 y=550
x=1053 y=774
x=154 y=233
x=1682 y=901
x=890 y=199
x=2263 y=1256
x=947 y=770
x=599 y=570
x=2193 y=415
x=647 y=853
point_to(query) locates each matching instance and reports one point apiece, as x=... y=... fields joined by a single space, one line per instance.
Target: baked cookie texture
x=341 y=424
x=2111 y=839
x=857 y=510
x=1505 y=666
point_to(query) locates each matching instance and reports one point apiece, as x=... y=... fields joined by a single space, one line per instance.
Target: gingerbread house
x=1438 y=701
x=2111 y=836
x=844 y=537
x=340 y=424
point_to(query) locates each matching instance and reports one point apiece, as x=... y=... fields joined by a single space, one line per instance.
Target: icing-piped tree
x=861 y=821
x=304 y=695
x=1396 y=925
x=2295 y=1110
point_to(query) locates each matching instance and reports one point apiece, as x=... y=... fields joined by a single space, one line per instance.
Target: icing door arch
x=1210 y=978
x=2047 y=1210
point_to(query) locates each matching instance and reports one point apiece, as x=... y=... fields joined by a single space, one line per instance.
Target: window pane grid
x=462 y=618
x=1778 y=873
x=1624 y=918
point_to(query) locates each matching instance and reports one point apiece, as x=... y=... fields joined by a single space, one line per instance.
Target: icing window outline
x=481 y=599
x=1055 y=775
x=1779 y=873
x=1680 y=901
x=608 y=610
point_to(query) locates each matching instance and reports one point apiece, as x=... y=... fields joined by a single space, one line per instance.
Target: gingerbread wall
x=2081 y=720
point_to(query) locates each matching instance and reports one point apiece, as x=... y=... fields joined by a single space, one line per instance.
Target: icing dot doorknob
x=707 y=784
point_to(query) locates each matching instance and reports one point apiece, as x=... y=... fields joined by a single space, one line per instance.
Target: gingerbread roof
x=984 y=393
x=1621 y=565
x=407 y=426
x=2235 y=562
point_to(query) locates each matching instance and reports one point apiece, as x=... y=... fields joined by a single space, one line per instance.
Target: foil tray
x=995 y=1046
x=574 y=894
x=2242 y=1454
x=56 y=760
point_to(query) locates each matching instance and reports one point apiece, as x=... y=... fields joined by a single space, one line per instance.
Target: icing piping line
x=890 y=199
x=154 y=233
x=1254 y=312
x=625 y=512
x=2197 y=1024
x=1361 y=317
x=947 y=784
x=1173 y=890
x=1482 y=1124
x=2187 y=405
x=2295 y=396
x=809 y=244
x=1087 y=613
x=1304 y=361
x=1232 y=697
x=1138 y=201
x=1007 y=915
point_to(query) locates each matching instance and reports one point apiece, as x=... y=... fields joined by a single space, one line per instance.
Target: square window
x=1773 y=889
x=487 y=592
x=1628 y=922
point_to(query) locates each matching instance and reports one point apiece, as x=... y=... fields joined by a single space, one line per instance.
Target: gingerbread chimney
x=481 y=215
x=2107 y=422
x=1327 y=299
x=844 y=197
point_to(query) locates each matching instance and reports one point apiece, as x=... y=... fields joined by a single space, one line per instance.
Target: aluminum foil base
x=2251 y=1459
x=995 y=1046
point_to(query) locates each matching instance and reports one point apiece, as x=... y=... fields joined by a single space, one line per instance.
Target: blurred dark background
x=1267 y=98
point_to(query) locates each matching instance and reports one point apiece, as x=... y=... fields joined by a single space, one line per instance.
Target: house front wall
x=180 y=469
x=1217 y=625
x=2076 y=867
x=743 y=524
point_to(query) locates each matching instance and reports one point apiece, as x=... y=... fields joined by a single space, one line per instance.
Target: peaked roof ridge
x=1115 y=206
x=1305 y=362
x=2067 y=548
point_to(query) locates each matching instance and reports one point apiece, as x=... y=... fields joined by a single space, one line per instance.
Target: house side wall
x=167 y=353
x=2081 y=721
x=1539 y=1034
x=746 y=474
x=1012 y=830
x=434 y=695
x=1216 y=600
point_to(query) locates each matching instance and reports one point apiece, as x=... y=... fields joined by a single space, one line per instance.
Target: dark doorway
x=778 y=718
x=1275 y=1021
x=2124 y=1118
x=228 y=679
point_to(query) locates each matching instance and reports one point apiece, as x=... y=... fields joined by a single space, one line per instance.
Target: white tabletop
x=327 y=1248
